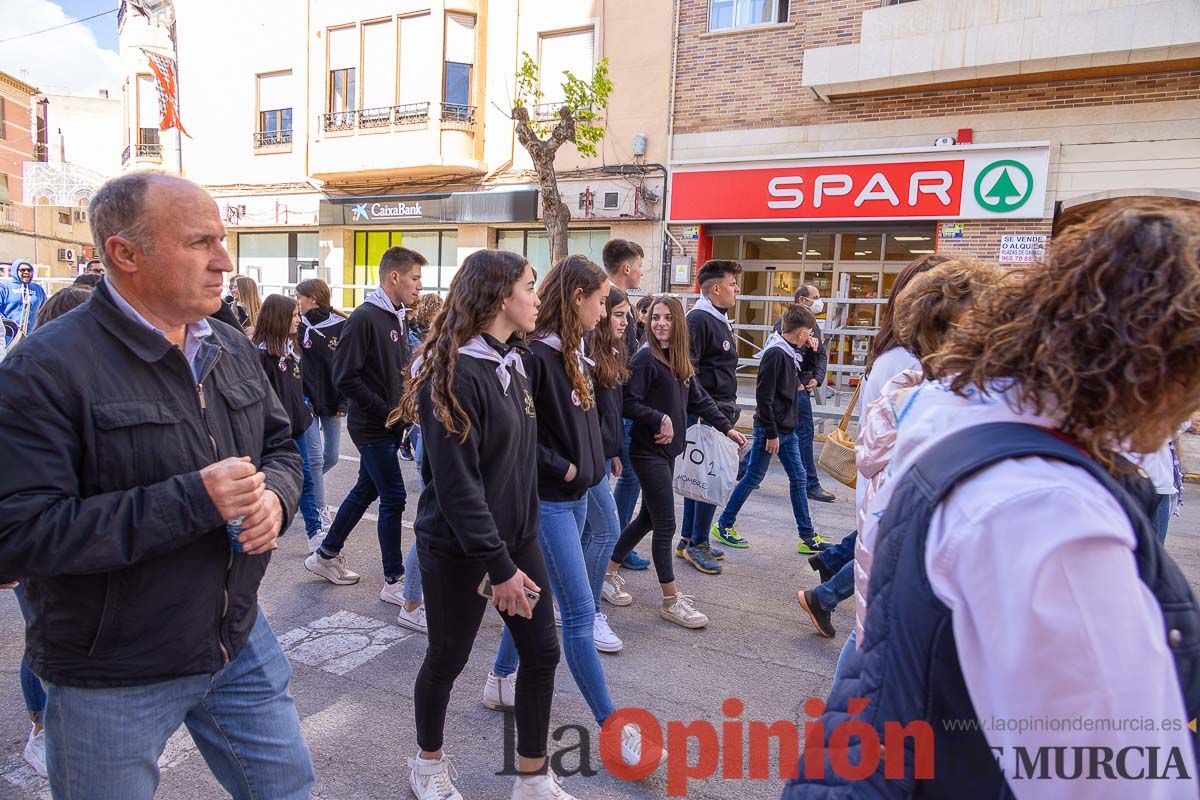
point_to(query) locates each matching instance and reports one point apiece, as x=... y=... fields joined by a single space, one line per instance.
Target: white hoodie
x=1034 y=558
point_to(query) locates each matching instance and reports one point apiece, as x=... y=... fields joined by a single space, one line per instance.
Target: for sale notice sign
x=1023 y=249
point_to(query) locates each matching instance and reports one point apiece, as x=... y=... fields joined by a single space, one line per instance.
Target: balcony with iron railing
x=273 y=140
x=458 y=114
x=10 y=219
x=339 y=121
x=916 y=44
x=148 y=146
x=41 y=152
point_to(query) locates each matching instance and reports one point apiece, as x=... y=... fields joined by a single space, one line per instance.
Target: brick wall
x=981 y=238
x=751 y=79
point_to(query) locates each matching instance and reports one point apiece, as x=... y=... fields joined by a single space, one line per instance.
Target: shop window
x=728 y=14
x=725 y=247
x=861 y=248
x=773 y=248
x=819 y=246
x=908 y=245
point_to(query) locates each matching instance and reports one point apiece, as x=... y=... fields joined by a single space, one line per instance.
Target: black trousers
x=453 y=611
x=656 y=474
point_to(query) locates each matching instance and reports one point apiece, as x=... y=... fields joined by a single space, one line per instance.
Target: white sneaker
x=35 y=751
x=631 y=747
x=557 y=616
x=606 y=641
x=612 y=591
x=500 y=693
x=326 y=516
x=315 y=540
x=539 y=787
x=679 y=609
x=333 y=570
x=413 y=620
x=393 y=592
x=430 y=780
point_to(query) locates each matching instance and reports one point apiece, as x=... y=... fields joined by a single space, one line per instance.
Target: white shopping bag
x=707 y=468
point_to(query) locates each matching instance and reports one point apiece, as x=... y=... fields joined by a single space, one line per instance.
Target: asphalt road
x=354 y=669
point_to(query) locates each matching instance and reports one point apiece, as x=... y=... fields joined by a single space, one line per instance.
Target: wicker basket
x=837 y=456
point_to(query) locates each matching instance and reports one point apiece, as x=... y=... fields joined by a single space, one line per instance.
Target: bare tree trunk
x=556 y=216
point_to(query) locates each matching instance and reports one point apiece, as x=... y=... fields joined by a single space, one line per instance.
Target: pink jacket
x=873 y=451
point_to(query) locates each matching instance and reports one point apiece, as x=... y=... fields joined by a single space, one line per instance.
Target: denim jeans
x=1162 y=516
x=104 y=744
x=837 y=588
x=760 y=460
x=805 y=431
x=324 y=432
x=844 y=656
x=626 y=493
x=600 y=534
x=309 y=504
x=31 y=685
x=379 y=477
x=559 y=534
x=413 y=591
x=835 y=557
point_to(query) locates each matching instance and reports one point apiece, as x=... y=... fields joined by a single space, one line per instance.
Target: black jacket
x=284 y=376
x=778 y=383
x=566 y=434
x=714 y=356
x=369 y=369
x=610 y=402
x=316 y=365
x=129 y=574
x=653 y=392
x=480 y=500
x=816 y=362
x=633 y=339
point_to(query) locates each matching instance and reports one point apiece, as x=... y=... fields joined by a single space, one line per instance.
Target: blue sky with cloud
x=78 y=59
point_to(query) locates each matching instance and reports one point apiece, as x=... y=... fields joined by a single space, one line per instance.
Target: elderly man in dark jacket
x=135 y=429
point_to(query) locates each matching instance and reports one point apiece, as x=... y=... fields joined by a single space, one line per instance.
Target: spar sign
x=969 y=182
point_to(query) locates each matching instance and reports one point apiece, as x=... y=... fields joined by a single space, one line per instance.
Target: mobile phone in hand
x=485 y=590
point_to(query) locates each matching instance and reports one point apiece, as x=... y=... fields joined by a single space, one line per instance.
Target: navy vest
x=907 y=662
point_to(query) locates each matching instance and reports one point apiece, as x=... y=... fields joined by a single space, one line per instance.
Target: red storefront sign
x=914 y=189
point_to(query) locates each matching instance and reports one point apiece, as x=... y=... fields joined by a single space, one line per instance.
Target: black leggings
x=656 y=474
x=453 y=611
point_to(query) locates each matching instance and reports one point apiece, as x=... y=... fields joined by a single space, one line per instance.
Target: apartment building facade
x=329 y=131
x=846 y=137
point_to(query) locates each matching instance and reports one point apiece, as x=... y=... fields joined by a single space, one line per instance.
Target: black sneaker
x=819 y=567
x=406 y=453
x=819 y=616
x=820 y=495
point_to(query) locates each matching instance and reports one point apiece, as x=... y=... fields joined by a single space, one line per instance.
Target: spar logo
x=998 y=187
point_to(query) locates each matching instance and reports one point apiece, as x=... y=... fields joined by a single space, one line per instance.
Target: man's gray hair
x=119 y=209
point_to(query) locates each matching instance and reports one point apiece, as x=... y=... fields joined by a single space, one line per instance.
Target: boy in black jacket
x=369 y=368
x=714 y=355
x=775 y=428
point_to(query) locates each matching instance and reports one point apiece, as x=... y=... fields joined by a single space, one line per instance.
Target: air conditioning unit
x=81 y=215
x=66 y=254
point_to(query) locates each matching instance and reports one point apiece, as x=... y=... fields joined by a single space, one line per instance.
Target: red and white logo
x=395 y=336
x=574 y=397
x=307 y=344
x=725 y=345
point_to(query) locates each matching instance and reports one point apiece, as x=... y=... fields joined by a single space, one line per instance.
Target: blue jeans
x=805 y=431
x=836 y=557
x=1162 y=516
x=413 y=591
x=309 y=504
x=323 y=438
x=31 y=686
x=104 y=744
x=626 y=493
x=600 y=534
x=760 y=460
x=837 y=588
x=559 y=534
x=379 y=477
x=844 y=656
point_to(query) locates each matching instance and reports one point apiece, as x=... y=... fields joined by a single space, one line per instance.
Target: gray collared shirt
x=194 y=335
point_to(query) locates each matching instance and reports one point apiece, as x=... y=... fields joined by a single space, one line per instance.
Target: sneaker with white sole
x=680 y=610
x=413 y=620
x=393 y=592
x=315 y=540
x=612 y=591
x=631 y=747
x=500 y=693
x=325 y=514
x=606 y=641
x=35 y=751
x=333 y=569
x=539 y=787
x=430 y=780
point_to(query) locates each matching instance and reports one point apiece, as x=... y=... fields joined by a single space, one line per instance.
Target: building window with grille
x=726 y=15
x=275 y=110
x=343 y=89
x=460 y=57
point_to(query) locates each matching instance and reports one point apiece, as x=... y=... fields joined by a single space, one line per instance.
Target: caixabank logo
x=969 y=182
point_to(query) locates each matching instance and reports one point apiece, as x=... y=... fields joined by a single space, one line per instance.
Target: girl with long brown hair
x=661 y=392
x=570 y=462
x=477 y=521
x=320 y=334
x=1024 y=578
x=247 y=303
x=275 y=335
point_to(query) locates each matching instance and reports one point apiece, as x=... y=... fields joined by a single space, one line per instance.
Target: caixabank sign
x=966 y=182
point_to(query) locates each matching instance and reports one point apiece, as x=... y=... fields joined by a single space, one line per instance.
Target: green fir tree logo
x=995 y=189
